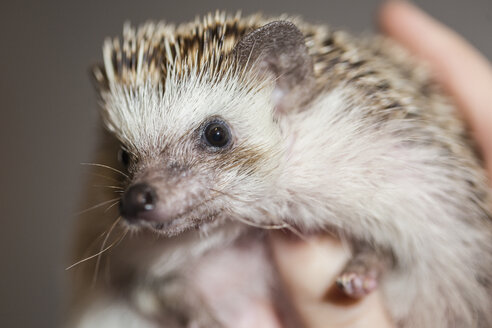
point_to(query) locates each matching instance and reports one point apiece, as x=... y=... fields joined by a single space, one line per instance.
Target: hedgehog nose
x=137 y=200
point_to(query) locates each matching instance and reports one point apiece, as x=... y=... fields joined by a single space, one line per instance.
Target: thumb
x=309 y=269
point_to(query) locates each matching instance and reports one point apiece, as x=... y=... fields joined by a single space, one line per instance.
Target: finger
x=463 y=71
x=309 y=270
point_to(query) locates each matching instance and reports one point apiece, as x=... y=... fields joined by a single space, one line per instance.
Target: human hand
x=310 y=268
x=464 y=73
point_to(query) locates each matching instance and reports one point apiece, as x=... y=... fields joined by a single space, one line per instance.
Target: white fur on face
x=151 y=115
x=151 y=118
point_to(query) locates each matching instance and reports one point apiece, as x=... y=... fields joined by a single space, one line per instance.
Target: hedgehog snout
x=138 y=202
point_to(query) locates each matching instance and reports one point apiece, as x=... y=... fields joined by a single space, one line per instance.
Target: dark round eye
x=124 y=157
x=217 y=134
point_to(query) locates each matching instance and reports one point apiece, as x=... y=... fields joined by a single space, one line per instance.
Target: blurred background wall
x=49 y=114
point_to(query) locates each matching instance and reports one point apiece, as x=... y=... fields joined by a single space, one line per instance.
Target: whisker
x=96 y=206
x=90 y=257
x=112 y=205
x=94 y=255
x=93 y=242
x=273 y=227
x=115 y=244
x=284 y=225
x=296 y=232
x=105 y=177
x=107 y=167
x=96 y=269
x=263 y=226
x=110 y=187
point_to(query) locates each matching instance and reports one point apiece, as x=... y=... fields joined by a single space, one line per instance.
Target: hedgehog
x=221 y=129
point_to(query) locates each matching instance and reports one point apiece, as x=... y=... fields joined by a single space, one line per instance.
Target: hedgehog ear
x=279 y=48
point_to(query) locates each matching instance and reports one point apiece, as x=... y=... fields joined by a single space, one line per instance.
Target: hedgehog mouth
x=160 y=220
x=175 y=226
x=188 y=220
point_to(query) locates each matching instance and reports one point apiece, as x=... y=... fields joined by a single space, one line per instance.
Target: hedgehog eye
x=217 y=134
x=124 y=157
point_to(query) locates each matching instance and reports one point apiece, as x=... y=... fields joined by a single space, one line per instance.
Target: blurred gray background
x=49 y=119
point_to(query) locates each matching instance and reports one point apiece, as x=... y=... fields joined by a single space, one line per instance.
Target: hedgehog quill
x=227 y=126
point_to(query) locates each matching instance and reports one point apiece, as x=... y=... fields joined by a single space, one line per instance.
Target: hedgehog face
x=199 y=129
x=195 y=149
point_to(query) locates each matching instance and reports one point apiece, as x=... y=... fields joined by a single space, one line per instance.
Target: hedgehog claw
x=356 y=285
